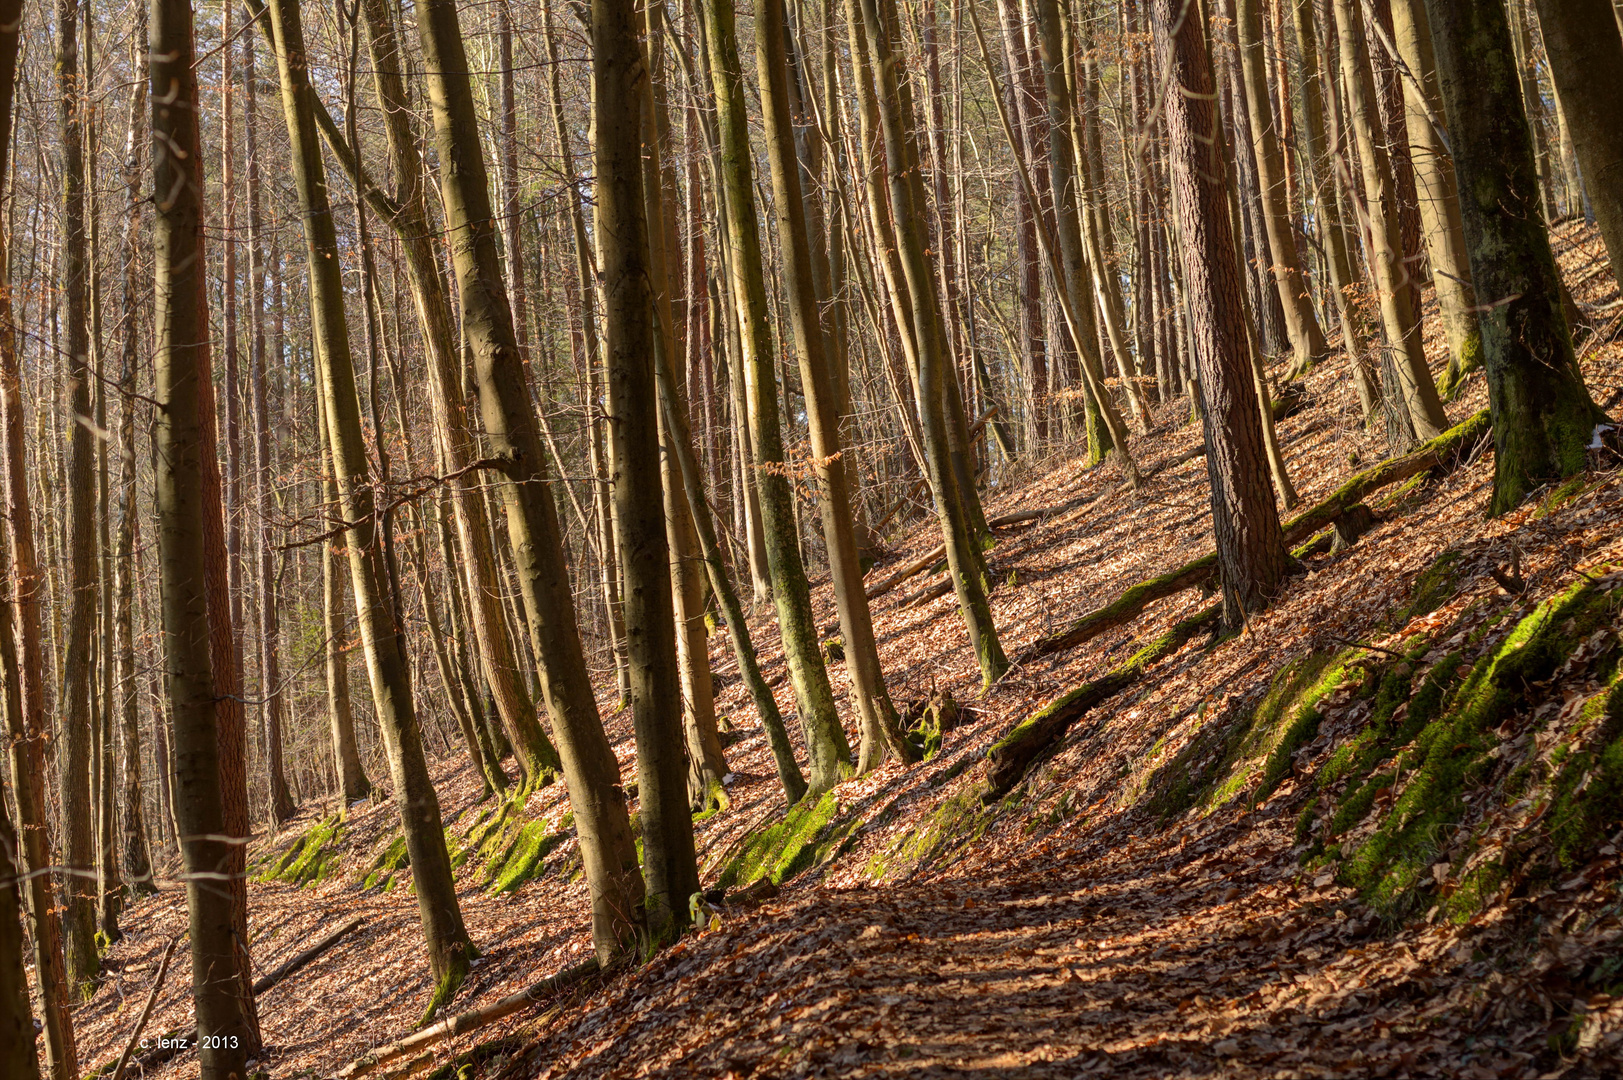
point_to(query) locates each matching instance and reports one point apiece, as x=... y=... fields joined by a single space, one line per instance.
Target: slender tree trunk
x=183 y=444
x=879 y=725
x=1543 y=418
x=74 y=778
x=1438 y=190
x=23 y=697
x=819 y=720
x=1301 y=324
x=382 y=636
x=1399 y=316
x=590 y=769
x=282 y=806
x=1250 y=548
x=630 y=273
x=136 y=854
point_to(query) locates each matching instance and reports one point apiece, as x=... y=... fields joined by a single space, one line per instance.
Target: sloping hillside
x=1375 y=833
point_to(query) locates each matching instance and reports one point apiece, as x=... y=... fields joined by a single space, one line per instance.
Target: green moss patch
x=809 y=834
x=311 y=857
x=1455 y=752
x=381 y=874
x=525 y=858
x=962 y=819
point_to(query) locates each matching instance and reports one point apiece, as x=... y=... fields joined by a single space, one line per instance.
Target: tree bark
x=1399 y=316
x=1301 y=324
x=182 y=446
x=1543 y=418
x=1586 y=65
x=382 y=636
x=589 y=766
x=1250 y=549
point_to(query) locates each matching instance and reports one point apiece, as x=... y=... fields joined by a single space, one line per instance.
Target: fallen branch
x=172 y=1047
x=1440 y=452
x=146 y=1010
x=912 y=569
x=471 y=1020
x=1012 y=755
x=265 y=982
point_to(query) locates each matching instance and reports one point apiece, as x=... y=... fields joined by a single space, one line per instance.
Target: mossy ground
x=809 y=834
x=312 y=856
x=393 y=858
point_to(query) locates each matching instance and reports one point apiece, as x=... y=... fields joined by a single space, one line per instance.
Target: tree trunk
x=1399 y=316
x=183 y=444
x=282 y=806
x=18 y=1058
x=1543 y=418
x=1301 y=324
x=879 y=725
x=820 y=722
x=1438 y=190
x=623 y=111
x=1586 y=64
x=1250 y=550
x=589 y=766
x=74 y=779
x=382 y=636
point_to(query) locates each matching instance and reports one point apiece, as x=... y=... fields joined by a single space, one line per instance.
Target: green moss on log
x=381 y=874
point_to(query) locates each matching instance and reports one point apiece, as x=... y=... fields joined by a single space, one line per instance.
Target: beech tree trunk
x=820 y=722
x=1543 y=417
x=1301 y=324
x=1399 y=316
x=1586 y=65
x=18 y=1058
x=74 y=778
x=382 y=636
x=590 y=770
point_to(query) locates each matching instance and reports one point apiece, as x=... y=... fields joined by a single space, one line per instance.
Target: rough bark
x=183 y=444
x=1250 y=549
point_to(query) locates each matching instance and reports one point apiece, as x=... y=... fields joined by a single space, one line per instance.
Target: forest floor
x=1157 y=897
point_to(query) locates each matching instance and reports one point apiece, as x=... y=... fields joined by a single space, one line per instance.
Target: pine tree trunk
x=74 y=777
x=382 y=636
x=1543 y=418
x=589 y=766
x=1250 y=547
x=18 y=1058
x=183 y=445
x=23 y=697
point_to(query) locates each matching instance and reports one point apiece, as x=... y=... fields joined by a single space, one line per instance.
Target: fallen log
x=912 y=569
x=265 y=982
x=1011 y=756
x=471 y=1020
x=1441 y=452
x=146 y=1010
